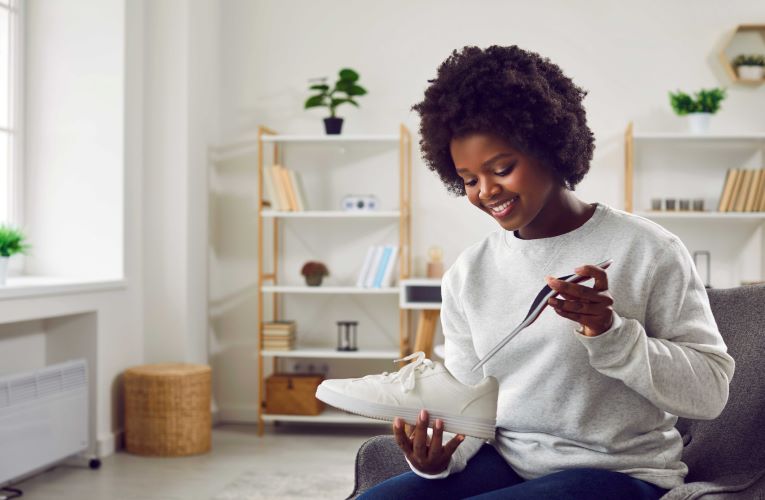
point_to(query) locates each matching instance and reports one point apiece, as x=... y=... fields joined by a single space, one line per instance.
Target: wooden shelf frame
x=267 y=136
x=631 y=138
x=725 y=58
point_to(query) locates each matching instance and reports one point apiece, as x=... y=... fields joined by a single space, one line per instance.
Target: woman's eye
x=471 y=183
x=506 y=171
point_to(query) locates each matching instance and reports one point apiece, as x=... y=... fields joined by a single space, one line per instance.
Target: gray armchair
x=725 y=456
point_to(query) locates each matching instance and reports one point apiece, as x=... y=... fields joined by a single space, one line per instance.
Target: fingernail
x=439 y=424
x=461 y=438
x=423 y=415
x=397 y=423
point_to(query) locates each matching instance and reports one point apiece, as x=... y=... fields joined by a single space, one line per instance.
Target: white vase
x=750 y=72
x=698 y=123
x=3 y=269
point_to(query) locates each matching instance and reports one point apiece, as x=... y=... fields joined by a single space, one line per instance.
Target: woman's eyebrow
x=488 y=162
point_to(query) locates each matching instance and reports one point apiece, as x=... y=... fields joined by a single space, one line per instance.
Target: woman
x=589 y=395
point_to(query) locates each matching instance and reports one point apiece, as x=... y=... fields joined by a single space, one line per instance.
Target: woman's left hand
x=591 y=307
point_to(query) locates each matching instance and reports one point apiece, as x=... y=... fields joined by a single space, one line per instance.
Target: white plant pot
x=750 y=72
x=3 y=269
x=698 y=123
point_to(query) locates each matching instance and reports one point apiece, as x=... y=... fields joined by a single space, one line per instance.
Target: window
x=9 y=123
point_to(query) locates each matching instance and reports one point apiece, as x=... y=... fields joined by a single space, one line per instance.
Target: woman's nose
x=488 y=190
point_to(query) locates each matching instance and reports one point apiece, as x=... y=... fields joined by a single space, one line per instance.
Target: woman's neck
x=563 y=213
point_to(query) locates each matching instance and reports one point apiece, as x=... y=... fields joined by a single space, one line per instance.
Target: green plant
x=749 y=60
x=706 y=101
x=347 y=84
x=11 y=241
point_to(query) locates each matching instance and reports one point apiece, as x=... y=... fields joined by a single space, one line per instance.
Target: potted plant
x=11 y=243
x=314 y=272
x=699 y=108
x=347 y=84
x=750 y=66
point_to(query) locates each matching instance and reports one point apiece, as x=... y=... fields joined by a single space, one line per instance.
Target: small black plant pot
x=333 y=125
x=314 y=279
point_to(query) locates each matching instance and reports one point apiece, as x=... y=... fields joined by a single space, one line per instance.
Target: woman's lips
x=504 y=213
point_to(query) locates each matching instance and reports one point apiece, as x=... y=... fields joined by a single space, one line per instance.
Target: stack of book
x=379 y=267
x=284 y=189
x=744 y=191
x=279 y=335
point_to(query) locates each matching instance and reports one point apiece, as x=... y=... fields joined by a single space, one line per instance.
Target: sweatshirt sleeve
x=459 y=357
x=678 y=360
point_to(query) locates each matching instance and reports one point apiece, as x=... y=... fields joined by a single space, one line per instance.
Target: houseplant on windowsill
x=314 y=272
x=699 y=108
x=750 y=66
x=347 y=84
x=11 y=243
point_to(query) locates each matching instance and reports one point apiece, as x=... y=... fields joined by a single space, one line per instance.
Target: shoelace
x=407 y=374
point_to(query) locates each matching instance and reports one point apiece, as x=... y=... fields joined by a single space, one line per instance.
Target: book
x=727 y=190
x=269 y=190
x=390 y=274
x=297 y=185
x=365 y=267
x=751 y=190
x=288 y=186
x=369 y=279
x=758 y=190
x=380 y=272
x=743 y=189
x=762 y=195
x=281 y=190
x=734 y=202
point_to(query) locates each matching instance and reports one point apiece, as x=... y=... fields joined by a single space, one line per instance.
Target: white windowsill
x=36 y=286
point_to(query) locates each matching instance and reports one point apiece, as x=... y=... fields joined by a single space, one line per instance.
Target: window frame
x=16 y=52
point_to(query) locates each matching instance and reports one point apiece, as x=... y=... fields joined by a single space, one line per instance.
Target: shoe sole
x=457 y=424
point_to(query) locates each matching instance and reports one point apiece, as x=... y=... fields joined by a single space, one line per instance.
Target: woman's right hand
x=427 y=455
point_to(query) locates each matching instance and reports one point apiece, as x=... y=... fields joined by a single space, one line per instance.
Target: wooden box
x=293 y=394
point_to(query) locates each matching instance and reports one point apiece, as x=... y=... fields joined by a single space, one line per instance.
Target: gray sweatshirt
x=571 y=401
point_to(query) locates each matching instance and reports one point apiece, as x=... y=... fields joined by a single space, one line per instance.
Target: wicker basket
x=167 y=409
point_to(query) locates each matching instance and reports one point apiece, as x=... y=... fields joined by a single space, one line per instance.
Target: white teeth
x=503 y=206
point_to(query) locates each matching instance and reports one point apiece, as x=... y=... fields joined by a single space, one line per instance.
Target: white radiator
x=43 y=417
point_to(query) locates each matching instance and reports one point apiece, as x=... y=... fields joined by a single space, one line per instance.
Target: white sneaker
x=464 y=409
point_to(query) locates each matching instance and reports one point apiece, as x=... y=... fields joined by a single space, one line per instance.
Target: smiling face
x=510 y=186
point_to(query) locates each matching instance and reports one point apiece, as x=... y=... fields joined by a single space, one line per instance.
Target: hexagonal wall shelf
x=745 y=39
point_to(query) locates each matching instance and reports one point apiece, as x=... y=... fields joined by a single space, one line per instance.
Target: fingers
x=597 y=323
x=402 y=439
x=420 y=445
x=450 y=447
x=580 y=307
x=598 y=273
x=570 y=290
x=435 y=441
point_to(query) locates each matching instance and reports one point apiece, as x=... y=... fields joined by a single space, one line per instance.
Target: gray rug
x=254 y=485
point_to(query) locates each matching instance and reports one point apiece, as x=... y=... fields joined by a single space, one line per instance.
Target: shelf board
x=687 y=136
x=331 y=138
x=328 y=416
x=332 y=353
x=701 y=215
x=330 y=214
x=351 y=290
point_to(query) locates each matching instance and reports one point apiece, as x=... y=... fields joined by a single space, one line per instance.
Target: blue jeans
x=487 y=476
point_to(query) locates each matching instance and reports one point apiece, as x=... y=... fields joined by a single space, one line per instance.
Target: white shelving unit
x=267 y=281
x=738 y=238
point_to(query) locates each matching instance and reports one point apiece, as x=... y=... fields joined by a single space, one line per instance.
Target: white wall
x=628 y=55
x=179 y=101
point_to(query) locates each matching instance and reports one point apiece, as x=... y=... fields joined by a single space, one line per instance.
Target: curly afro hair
x=514 y=94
